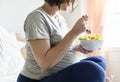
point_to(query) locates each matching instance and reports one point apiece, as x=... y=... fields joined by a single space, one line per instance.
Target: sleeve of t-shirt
x=35 y=27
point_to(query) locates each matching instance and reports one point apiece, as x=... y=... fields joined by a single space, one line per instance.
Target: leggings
x=91 y=69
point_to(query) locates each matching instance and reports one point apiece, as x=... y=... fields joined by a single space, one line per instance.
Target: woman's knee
x=90 y=71
x=97 y=59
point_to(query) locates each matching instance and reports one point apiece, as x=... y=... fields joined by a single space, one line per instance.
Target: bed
x=11 y=55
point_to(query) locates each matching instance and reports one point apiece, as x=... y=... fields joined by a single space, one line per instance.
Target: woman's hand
x=79 y=27
x=79 y=48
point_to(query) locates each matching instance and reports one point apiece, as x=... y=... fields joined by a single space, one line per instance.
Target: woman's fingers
x=80 y=27
x=85 y=51
x=85 y=17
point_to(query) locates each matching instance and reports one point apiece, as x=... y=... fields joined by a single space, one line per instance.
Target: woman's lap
x=90 y=69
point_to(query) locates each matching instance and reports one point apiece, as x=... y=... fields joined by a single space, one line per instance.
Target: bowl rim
x=91 y=40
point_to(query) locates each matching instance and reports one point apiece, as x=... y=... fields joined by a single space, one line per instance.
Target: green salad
x=90 y=37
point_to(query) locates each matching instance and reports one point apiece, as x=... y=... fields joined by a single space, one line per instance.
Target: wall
x=13 y=13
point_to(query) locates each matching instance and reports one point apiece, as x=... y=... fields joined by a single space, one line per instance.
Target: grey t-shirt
x=39 y=25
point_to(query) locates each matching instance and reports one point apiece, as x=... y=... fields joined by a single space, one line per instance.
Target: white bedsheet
x=11 y=60
x=9 y=78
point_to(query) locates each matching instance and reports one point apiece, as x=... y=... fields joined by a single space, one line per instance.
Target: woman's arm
x=47 y=57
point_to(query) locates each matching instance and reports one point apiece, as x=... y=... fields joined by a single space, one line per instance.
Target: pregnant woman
x=50 y=56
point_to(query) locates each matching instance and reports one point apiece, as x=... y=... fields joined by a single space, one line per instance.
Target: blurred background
x=104 y=17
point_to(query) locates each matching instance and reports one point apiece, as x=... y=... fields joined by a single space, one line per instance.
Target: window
x=111 y=30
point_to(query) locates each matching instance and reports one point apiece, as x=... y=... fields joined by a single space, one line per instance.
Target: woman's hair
x=59 y=2
x=56 y=2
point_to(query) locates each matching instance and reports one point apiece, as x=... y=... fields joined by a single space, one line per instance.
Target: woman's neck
x=51 y=10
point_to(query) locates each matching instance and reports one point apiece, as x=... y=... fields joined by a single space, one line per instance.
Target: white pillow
x=3 y=31
x=11 y=60
x=16 y=43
